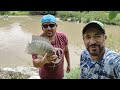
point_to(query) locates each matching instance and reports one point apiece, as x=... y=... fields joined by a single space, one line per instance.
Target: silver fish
x=39 y=45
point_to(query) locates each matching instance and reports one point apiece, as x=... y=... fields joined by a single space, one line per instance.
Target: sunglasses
x=50 y=25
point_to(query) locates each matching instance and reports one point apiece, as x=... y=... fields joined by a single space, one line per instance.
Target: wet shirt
x=106 y=68
x=55 y=71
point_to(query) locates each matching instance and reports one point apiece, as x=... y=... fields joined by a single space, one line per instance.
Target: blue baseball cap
x=48 y=18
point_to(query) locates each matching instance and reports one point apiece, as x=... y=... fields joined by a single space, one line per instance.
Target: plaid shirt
x=106 y=68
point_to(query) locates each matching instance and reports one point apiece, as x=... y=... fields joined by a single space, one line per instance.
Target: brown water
x=17 y=31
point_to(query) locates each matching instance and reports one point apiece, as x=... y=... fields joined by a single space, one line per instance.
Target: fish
x=40 y=46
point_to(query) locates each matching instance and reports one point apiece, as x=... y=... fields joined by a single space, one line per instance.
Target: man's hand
x=68 y=69
x=49 y=59
x=34 y=56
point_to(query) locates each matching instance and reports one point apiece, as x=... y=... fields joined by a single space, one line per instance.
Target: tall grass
x=74 y=74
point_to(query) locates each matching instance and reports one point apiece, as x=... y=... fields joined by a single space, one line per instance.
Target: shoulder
x=62 y=37
x=41 y=35
x=111 y=56
x=61 y=34
x=112 y=61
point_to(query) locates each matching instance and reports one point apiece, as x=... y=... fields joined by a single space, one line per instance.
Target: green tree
x=4 y=12
x=42 y=12
x=113 y=14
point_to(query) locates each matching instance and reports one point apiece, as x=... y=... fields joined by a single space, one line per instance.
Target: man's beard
x=97 y=51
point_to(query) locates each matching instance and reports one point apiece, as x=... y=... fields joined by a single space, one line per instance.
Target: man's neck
x=51 y=39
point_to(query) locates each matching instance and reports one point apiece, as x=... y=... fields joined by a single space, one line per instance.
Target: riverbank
x=19 y=72
x=22 y=72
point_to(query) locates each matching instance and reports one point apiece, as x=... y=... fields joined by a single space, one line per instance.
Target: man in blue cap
x=98 y=62
x=48 y=69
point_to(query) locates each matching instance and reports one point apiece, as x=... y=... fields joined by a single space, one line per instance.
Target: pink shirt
x=48 y=71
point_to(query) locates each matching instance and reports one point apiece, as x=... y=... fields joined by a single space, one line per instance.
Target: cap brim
x=93 y=24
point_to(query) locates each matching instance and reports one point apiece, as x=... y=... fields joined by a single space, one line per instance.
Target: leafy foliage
x=112 y=14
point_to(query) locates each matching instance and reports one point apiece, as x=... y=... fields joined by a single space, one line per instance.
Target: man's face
x=94 y=41
x=49 y=29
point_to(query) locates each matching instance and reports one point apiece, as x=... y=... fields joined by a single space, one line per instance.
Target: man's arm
x=39 y=62
x=82 y=62
x=67 y=58
x=81 y=77
x=116 y=68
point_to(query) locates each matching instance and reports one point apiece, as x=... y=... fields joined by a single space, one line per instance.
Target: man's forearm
x=67 y=57
x=38 y=63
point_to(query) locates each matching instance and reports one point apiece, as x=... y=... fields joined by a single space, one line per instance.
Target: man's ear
x=56 y=25
x=42 y=27
x=105 y=37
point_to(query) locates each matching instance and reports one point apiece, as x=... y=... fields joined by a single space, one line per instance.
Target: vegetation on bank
x=27 y=12
x=74 y=73
x=85 y=16
x=81 y=16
